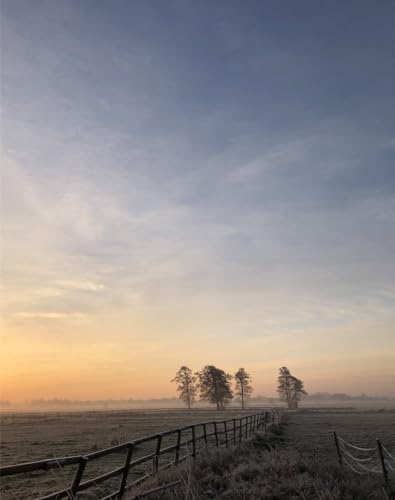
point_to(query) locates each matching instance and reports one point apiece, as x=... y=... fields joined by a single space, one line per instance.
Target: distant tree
x=186 y=385
x=214 y=386
x=243 y=385
x=290 y=388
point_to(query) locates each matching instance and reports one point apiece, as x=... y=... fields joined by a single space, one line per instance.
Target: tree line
x=214 y=385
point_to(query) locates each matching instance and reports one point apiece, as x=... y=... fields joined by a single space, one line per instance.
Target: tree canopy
x=290 y=388
x=243 y=386
x=214 y=386
x=186 y=385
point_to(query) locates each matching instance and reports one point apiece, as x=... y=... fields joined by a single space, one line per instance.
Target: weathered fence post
x=177 y=457
x=339 y=455
x=240 y=429
x=205 y=434
x=381 y=454
x=193 y=441
x=125 y=471
x=234 y=431
x=157 y=453
x=226 y=432
x=216 y=434
x=78 y=475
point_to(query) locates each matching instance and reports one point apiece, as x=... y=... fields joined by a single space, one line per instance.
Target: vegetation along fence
x=146 y=456
x=372 y=460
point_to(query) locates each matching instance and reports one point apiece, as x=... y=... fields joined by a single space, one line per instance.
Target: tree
x=290 y=388
x=214 y=385
x=186 y=385
x=243 y=386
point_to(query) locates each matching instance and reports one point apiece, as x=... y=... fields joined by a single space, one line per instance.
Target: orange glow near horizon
x=118 y=366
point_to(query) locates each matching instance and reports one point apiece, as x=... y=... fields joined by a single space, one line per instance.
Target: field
x=311 y=431
x=28 y=437
x=36 y=436
x=297 y=460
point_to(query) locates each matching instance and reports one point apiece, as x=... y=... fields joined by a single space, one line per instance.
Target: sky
x=196 y=183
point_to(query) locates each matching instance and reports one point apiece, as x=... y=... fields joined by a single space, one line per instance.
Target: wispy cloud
x=88 y=286
x=49 y=315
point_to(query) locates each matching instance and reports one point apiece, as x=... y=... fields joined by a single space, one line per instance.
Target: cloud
x=88 y=286
x=50 y=315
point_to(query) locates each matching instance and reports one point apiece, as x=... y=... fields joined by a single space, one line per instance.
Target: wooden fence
x=158 y=451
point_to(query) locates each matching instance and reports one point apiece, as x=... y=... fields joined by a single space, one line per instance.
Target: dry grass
x=36 y=436
x=269 y=467
x=301 y=465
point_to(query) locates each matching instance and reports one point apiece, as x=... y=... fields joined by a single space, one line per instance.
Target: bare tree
x=186 y=385
x=214 y=385
x=290 y=388
x=243 y=385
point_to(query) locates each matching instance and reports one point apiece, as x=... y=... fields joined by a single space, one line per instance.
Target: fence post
x=381 y=454
x=78 y=475
x=177 y=457
x=205 y=434
x=240 y=429
x=193 y=441
x=339 y=455
x=226 y=432
x=216 y=434
x=125 y=471
x=157 y=452
x=246 y=428
x=234 y=431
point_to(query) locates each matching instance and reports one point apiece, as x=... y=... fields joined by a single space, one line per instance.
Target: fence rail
x=187 y=442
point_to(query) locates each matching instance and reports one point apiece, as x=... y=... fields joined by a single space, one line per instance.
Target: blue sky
x=215 y=170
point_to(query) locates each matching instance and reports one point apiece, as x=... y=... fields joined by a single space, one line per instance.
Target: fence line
x=188 y=440
x=379 y=461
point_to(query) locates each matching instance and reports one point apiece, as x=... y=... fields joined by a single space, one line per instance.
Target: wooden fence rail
x=189 y=441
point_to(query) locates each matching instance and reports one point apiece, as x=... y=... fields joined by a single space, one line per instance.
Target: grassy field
x=311 y=431
x=308 y=434
x=297 y=460
x=36 y=436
